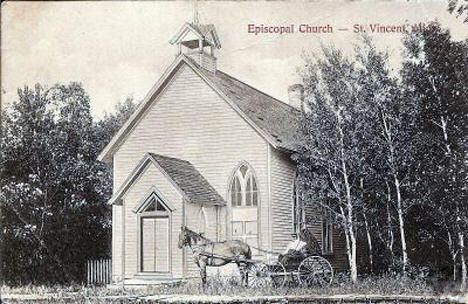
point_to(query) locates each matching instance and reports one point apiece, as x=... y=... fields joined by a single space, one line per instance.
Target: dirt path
x=52 y=298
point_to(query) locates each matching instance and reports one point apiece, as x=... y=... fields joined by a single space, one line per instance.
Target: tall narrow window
x=294 y=212
x=251 y=192
x=254 y=192
x=327 y=233
x=202 y=221
x=248 y=193
x=298 y=216
x=236 y=192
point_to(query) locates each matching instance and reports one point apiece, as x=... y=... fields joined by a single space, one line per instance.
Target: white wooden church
x=208 y=151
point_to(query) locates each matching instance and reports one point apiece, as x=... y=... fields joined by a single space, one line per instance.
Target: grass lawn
x=218 y=287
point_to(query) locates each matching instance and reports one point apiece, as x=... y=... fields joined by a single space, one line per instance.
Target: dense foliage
x=385 y=155
x=53 y=191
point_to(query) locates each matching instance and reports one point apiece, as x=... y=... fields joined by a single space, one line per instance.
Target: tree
x=330 y=159
x=111 y=123
x=435 y=75
x=53 y=191
x=392 y=127
x=458 y=8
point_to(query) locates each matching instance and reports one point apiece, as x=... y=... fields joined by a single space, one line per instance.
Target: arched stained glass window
x=244 y=190
x=244 y=195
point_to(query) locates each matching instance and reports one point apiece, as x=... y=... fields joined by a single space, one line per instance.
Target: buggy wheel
x=263 y=275
x=257 y=275
x=277 y=275
x=315 y=270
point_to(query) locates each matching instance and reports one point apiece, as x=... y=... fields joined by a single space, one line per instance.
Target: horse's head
x=188 y=237
x=185 y=238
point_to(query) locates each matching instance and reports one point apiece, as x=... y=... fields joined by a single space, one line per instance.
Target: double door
x=155 y=244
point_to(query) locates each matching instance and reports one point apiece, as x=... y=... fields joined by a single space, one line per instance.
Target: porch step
x=145 y=279
x=152 y=276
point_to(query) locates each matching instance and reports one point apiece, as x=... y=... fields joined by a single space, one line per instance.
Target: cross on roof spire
x=196 y=19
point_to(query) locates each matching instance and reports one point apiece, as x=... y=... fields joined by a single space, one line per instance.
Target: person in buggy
x=303 y=246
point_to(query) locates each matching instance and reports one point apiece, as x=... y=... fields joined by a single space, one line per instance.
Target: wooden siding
x=338 y=257
x=190 y=121
x=204 y=60
x=149 y=179
x=283 y=171
x=192 y=222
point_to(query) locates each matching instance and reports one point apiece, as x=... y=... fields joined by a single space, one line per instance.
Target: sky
x=120 y=49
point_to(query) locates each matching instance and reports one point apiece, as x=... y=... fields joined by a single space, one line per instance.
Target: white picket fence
x=99 y=272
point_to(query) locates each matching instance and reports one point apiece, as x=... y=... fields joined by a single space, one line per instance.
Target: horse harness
x=209 y=254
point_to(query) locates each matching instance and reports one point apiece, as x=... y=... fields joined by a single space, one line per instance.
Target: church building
x=207 y=151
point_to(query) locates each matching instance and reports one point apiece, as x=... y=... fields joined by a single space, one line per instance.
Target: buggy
x=298 y=266
x=305 y=266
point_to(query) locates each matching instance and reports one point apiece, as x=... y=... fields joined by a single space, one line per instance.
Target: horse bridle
x=191 y=234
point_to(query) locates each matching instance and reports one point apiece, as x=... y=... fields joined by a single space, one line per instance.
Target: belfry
x=198 y=42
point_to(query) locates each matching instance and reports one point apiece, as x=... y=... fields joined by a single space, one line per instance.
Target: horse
x=215 y=254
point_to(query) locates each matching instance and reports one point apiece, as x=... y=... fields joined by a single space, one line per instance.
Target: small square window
x=237 y=228
x=251 y=228
x=253 y=243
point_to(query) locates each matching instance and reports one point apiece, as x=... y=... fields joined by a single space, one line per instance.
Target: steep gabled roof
x=274 y=120
x=183 y=175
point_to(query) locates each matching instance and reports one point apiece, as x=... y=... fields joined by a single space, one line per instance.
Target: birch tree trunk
x=352 y=238
x=461 y=237
x=347 y=238
x=453 y=254
x=349 y=202
x=369 y=244
x=461 y=243
x=353 y=255
x=401 y=223
x=387 y=129
x=391 y=237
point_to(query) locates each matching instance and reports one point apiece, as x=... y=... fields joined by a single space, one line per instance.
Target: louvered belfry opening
x=198 y=42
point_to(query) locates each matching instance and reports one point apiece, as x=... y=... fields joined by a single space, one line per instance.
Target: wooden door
x=155 y=244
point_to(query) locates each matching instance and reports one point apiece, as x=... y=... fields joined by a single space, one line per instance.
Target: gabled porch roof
x=182 y=174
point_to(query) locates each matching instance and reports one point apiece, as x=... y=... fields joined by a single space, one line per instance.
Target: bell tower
x=198 y=42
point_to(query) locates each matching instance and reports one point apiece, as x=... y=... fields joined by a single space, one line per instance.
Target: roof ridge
x=170 y=158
